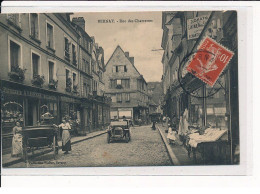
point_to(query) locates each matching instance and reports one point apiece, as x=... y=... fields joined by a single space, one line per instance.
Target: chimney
x=79 y=21
x=132 y=60
x=127 y=54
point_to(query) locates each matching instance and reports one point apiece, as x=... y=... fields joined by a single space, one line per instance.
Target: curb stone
x=173 y=157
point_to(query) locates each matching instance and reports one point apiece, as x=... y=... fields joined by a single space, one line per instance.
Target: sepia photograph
x=119 y=89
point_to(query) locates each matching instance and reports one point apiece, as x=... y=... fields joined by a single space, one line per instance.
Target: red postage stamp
x=209 y=61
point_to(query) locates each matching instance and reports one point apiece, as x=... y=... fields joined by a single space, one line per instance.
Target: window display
x=12 y=112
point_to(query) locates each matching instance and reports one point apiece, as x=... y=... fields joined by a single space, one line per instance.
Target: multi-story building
x=155 y=92
x=96 y=105
x=41 y=69
x=127 y=88
x=182 y=33
x=85 y=73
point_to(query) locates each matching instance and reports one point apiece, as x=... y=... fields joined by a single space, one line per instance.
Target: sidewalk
x=178 y=152
x=7 y=160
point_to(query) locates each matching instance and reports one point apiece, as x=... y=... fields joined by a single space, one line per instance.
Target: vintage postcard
x=119 y=89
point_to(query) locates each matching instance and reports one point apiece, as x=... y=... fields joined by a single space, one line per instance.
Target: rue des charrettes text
x=112 y=21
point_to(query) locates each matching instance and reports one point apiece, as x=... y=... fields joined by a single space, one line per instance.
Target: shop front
x=208 y=116
x=141 y=115
x=86 y=116
x=101 y=112
x=71 y=110
x=12 y=111
x=28 y=105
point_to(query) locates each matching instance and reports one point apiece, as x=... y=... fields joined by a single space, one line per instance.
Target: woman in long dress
x=66 y=143
x=185 y=121
x=17 y=142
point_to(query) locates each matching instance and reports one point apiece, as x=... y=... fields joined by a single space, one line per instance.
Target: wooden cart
x=39 y=137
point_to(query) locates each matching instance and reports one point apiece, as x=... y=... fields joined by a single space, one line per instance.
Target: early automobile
x=118 y=130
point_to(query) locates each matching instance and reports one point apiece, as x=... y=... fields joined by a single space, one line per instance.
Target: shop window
x=51 y=71
x=50 y=42
x=12 y=111
x=34 y=25
x=15 y=55
x=35 y=64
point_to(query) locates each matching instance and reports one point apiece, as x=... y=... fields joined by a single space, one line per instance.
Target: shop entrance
x=32 y=112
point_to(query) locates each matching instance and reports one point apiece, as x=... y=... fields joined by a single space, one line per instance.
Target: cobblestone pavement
x=146 y=148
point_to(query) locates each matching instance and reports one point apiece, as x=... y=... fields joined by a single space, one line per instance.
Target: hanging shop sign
x=195 y=26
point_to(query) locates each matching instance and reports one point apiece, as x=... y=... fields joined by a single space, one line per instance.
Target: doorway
x=32 y=112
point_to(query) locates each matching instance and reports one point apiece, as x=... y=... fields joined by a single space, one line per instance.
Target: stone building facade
x=126 y=87
x=44 y=71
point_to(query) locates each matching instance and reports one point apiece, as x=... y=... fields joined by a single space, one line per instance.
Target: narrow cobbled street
x=145 y=149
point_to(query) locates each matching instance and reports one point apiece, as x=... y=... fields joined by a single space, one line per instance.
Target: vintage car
x=118 y=130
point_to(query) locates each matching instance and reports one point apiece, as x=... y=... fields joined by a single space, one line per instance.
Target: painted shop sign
x=195 y=26
x=39 y=95
x=12 y=91
x=29 y=94
x=69 y=100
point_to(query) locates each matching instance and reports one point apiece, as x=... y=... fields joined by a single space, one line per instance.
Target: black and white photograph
x=119 y=89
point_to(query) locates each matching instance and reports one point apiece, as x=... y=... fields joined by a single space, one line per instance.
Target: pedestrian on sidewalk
x=66 y=143
x=171 y=136
x=17 y=142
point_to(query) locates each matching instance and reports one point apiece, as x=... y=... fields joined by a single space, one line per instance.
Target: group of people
x=17 y=141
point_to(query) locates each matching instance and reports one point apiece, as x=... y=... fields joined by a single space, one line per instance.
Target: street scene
x=119 y=89
x=96 y=152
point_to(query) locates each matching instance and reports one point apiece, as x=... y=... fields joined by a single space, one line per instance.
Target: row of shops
x=31 y=105
x=139 y=115
x=209 y=107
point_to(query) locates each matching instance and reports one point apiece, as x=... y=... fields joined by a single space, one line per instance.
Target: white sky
x=139 y=39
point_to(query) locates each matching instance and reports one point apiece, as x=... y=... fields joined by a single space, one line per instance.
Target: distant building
x=155 y=92
x=127 y=88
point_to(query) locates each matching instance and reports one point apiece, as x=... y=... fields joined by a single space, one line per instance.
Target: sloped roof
x=119 y=47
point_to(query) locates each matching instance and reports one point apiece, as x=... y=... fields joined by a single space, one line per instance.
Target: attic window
x=125 y=69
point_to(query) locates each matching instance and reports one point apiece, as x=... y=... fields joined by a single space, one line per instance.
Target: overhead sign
x=195 y=26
